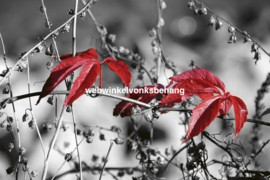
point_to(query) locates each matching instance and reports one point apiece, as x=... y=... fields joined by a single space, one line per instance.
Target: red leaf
x=200 y=74
x=205 y=96
x=240 y=112
x=124 y=108
x=66 y=67
x=191 y=87
x=225 y=105
x=202 y=116
x=120 y=68
x=86 y=79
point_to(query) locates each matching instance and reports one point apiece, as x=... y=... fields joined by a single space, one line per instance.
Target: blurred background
x=185 y=37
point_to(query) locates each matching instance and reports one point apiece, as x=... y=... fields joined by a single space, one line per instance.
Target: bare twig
x=9 y=100
x=106 y=160
x=237 y=29
x=261 y=149
x=48 y=24
x=76 y=139
x=176 y=154
x=46 y=163
x=55 y=177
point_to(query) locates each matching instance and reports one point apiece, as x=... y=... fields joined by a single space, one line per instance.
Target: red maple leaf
x=88 y=75
x=203 y=84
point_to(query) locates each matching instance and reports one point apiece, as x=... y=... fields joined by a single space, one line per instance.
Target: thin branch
x=206 y=134
x=92 y=169
x=261 y=149
x=76 y=139
x=48 y=24
x=106 y=160
x=74 y=29
x=237 y=29
x=15 y=98
x=77 y=145
x=4 y=50
x=176 y=154
x=46 y=163
x=13 y=107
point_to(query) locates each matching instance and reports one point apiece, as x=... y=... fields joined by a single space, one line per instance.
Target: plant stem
x=46 y=163
x=106 y=160
x=9 y=100
x=76 y=140
x=178 y=152
x=237 y=29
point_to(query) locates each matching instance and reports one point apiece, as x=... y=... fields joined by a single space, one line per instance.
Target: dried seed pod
x=10 y=170
x=70 y=11
x=50 y=100
x=129 y=171
x=41 y=9
x=232 y=39
x=161 y=22
x=121 y=173
x=24 y=160
x=160 y=160
x=231 y=29
x=49 y=65
x=155 y=50
x=219 y=24
x=102 y=137
x=254 y=47
x=66 y=28
x=163 y=5
x=203 y=11
x=112 y=37
x=69 y=109
x=257 y=56
x=47 y=126
x=49 y=50
x=34 y=173
x=195 y=11
x=118 y=141
x=48 y=24
x=6 y=89
x=115 y=129
x=68 y=157
x=246 y=39
x=10 y=147
x=191 y=4
x=9 y=128
x=153 y=32
x=83 y=15
x=148 y=116
x=3 y=124
x=211 y=21
x=31 y=124
x=95 y=158
x=9 y=120
x=22 y=151
x=89 y=139
x=156 y=114
x=167 y=151
x=25 y=117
